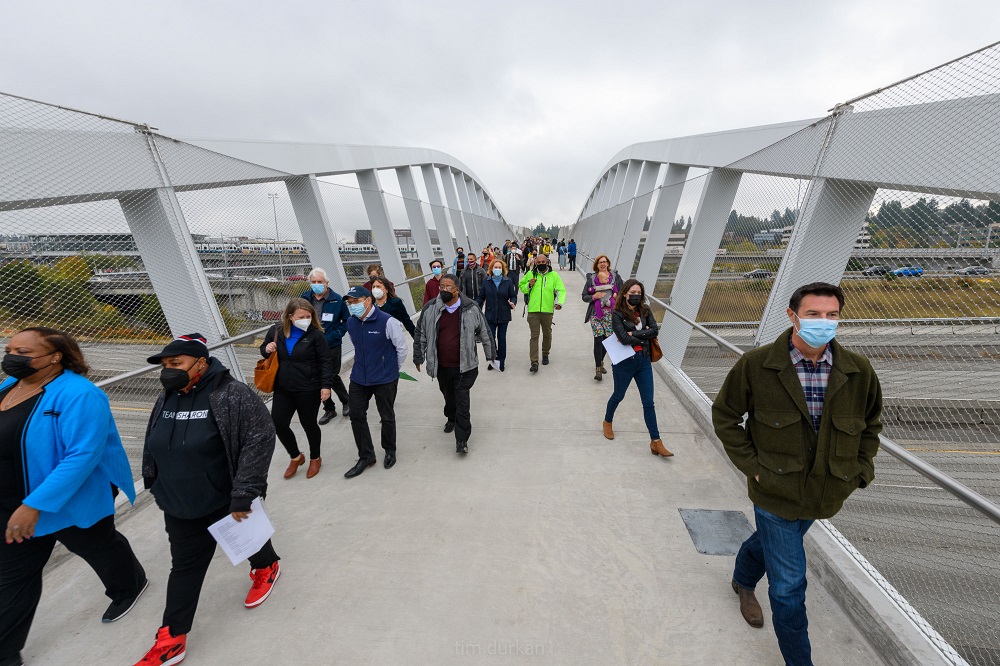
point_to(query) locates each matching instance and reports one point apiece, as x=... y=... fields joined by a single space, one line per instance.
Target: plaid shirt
x=814 y=377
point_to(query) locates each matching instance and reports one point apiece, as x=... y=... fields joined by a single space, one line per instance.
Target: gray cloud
x=534 y=96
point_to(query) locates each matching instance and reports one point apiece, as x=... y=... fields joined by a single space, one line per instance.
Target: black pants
x=284 y=405
x=572 y=262
x=455 y=387
x=191 y=551
x=336 y=353
x=103 y=547
x=385 y=402
x=599 y=350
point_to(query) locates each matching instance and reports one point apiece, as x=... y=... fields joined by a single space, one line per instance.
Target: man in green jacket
x=545 y=292
x=813 y=413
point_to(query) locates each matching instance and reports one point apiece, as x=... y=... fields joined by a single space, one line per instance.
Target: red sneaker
x=167 y=649
x=263 y=581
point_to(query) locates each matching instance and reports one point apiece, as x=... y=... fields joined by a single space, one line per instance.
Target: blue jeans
x=499 y=334
x=776 y=549
x=640 y=369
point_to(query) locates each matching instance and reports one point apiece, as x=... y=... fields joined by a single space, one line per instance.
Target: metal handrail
x=125 y=376
x=956 y=488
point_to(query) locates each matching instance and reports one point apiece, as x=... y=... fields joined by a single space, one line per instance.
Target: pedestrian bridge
x=547 y=543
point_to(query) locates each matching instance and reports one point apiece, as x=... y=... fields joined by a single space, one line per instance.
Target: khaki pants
x=542 y=321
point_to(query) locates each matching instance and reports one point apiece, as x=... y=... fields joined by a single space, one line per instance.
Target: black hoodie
x=193 y=478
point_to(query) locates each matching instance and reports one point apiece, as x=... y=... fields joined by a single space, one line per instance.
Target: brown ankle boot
x=313 y=468
x=597 y=375
x=749 y=606
x=657 y=449
x=293 y=466
x=608 y=432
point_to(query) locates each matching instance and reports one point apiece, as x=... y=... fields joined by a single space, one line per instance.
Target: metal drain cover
x=716 y=532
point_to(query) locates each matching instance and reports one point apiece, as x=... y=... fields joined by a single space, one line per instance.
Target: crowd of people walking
x=210 y=438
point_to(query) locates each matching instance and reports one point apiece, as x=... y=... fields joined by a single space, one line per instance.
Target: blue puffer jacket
x=72 y=454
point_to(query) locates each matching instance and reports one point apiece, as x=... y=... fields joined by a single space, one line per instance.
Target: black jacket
x=495 y=298
x=394 y=307
x=334 y=322
x=309 y=368
x=627 y=334
x=247 y=433
x=471 y=281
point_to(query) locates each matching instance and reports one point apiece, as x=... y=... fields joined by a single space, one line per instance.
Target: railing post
x=317 y=233
x=696 y=265
x=664 y=214
x=832 y=216
x=385 y=239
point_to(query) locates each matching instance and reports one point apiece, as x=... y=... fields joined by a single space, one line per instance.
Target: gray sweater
x=473 y=327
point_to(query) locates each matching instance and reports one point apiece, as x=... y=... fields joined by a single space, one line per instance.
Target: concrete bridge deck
x=547 y=544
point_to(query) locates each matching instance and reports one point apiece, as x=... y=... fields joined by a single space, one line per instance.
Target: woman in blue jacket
x=499 y=295
x=60 y=458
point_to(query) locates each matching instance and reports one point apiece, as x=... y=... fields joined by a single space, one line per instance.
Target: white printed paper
x=496 y=364
x=616 y=350
x=240 y=540
x=327 y=316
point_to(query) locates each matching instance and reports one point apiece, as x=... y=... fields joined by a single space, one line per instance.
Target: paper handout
x=616 y=350
x=240 y=540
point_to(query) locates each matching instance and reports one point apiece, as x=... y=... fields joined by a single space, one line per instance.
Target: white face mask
x=378 y=293
x=302 y=324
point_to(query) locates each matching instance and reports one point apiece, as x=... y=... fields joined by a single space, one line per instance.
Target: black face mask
x=542 y=268
x=18 y=366
x=446 y=296
x=174 y=379
x=634 y=300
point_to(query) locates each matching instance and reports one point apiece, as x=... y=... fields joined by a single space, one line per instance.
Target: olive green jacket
x=803 y=474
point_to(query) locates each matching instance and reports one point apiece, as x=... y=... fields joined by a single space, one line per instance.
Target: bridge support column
x=637 y=218
x=822 y=240
x=164 y=242
x=699 y=255
x=317 y=232
x=385 y=239
x=463 y=183
x=444 y=232
x=415 y=213
x=664 y=214
x=625 y=193
x=454 y=209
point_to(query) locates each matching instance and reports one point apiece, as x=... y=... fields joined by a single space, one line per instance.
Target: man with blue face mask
x=380 y=348
x=813 y=416
x=333 y=315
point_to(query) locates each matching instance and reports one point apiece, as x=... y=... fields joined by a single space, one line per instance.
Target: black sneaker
x=12 y=661
x=462 y=447
x=449 y=426
x=345 y=411
x=534 y=367
x=545 y=360
x=328 y=415
x=119 y=609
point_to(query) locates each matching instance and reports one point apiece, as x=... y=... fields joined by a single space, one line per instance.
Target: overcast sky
x=535 y=97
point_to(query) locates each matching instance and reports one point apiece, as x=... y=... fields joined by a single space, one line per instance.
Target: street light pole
x=277 y=239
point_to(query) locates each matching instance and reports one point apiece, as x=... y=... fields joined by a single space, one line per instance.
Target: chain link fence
x=895 y=196
x=92 y=244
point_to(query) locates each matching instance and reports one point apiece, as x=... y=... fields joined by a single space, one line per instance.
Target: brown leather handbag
x=655 y=353
x=266 y=372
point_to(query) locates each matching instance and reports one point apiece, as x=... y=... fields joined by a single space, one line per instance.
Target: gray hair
x=320 y=273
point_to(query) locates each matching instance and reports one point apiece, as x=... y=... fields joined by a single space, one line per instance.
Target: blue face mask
x=497 y=272
x=356 y=309
x=817 y=332
x=318 y=288
x=436 y=270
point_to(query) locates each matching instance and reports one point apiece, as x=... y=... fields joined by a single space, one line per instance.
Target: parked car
x=266 y=278
x=215 y=276
x=759 y=274
x=908 y=271
x=973 y=270
x=876 y=270
x=295 y=278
